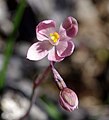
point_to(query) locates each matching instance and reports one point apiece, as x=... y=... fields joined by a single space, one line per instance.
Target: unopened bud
x=71 y=26
x=68 y=99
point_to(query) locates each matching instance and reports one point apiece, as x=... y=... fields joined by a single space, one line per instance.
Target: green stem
x=11 y=40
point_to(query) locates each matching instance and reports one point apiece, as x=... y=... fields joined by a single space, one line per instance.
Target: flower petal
x=69 y=26
x=65 y=48
x=38 y=50
x=52 y=55
x=44 y=28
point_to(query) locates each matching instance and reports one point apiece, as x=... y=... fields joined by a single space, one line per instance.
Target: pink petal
x=69 y=26
x=52 y=56
x=38 y=50
x=44 y=28
x=65 y=48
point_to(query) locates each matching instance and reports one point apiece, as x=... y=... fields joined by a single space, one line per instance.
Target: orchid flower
x=56 y=44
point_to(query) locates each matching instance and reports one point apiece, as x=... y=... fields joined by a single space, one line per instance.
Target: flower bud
x=68 y=99
x=71 y=26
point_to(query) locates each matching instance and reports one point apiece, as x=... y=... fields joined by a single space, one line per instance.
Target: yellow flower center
x=54 y=37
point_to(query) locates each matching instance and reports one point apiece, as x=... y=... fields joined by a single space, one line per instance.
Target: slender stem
x=58 y=79
x=36 y=83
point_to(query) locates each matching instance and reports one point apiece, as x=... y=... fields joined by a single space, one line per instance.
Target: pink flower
x=68 y=99
x=57 y=45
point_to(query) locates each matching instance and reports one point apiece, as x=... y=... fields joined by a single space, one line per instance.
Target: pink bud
x=68 y=99
x=71 y=26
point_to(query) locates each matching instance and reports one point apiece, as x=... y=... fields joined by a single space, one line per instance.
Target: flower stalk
x=58 y=79
x=36 y=83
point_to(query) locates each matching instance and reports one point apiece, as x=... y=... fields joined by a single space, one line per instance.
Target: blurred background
x=86 y=71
